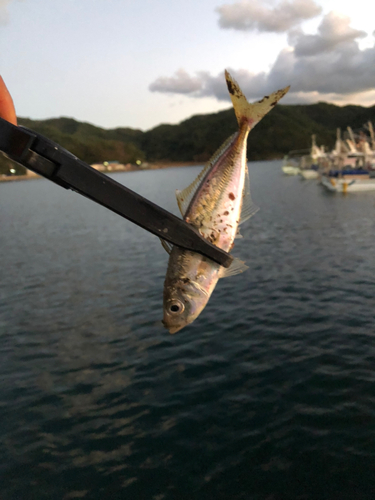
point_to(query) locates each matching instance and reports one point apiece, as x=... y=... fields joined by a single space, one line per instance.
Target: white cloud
x=333 y=30
x=254 y=15
x=326 y=66
x=180 y=83
x=331 y=63
x=4 y=11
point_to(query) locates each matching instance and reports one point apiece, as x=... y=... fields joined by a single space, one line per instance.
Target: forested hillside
x=285 y=128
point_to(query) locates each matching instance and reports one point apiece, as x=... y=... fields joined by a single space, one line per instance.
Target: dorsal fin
x=185 y=196
x=248 y=207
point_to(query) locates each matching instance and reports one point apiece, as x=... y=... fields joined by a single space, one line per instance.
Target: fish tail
x=251 y=113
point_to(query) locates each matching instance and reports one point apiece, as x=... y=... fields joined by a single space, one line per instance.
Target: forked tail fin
x=245 y=111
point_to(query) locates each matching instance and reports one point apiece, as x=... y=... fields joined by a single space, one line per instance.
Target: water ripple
x=268 y=395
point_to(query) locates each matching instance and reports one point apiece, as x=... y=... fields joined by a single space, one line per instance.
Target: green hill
x=286 y=128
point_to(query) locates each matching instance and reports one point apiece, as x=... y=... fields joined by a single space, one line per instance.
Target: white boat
x=290 y=170
x=348 y=183
x=304 y=161
x=351 y=165
x=309 y=173
x=292 y=162
x=310 y=163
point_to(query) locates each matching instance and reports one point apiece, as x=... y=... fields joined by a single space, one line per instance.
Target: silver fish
x=215 y=203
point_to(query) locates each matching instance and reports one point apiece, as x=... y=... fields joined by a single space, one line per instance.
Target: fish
x=215 y=204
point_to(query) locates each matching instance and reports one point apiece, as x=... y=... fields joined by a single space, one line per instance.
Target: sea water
x=268 y=395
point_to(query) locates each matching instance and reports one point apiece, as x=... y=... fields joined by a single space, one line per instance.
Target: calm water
x=269 y=395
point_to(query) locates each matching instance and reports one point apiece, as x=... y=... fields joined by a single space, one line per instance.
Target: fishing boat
x=290 y=170
x=290 y=165
x=310 y=163
x=310 y=173
x=347 y=181
x=292 y=161
x=304 y=162
x=351 y=165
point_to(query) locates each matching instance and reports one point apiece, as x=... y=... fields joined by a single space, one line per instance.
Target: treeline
x=285 y=128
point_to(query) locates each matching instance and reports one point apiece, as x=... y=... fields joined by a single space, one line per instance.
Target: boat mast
x=352 y=143
x=371 y=130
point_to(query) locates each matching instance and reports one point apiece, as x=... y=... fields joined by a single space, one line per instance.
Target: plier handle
x=50 y=160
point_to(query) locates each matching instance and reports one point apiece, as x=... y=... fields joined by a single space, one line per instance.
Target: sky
x=140 y=63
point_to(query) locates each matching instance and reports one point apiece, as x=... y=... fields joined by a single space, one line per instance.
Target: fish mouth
x=172 y=329
x=175 y=329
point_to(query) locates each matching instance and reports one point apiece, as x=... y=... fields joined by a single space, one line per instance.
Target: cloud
x=329 y=62
x=254 y=15
x=207 y=85
x=334 y=30
x=4 y=11
x=331 y=68
x=180 y=83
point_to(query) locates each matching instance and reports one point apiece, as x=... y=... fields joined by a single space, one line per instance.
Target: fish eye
x=176 y=307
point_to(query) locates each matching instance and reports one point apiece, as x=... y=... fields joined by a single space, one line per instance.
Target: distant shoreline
x=133 y=168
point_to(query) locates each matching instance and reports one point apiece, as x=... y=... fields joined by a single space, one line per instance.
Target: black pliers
x=46 y=158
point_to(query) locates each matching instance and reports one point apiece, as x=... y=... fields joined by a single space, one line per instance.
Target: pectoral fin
x=166 y=245
x=238 y=234
x=238 y=266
